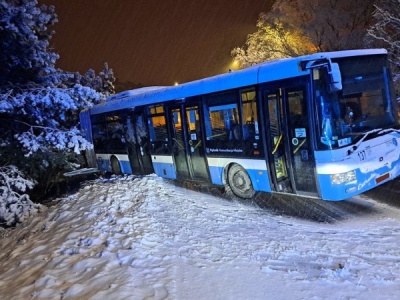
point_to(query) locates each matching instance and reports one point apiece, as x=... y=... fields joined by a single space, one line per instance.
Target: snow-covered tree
x=102 y=83
x=386 y=33
x=41 y=117
x=107 y=79
x=274 y=38
x=295 y=27
x=39 y=104
x=24 y=41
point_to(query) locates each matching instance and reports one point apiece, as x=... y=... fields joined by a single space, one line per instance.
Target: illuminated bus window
x=250 y=120
x=193 y=119
x=156 y=110
x=158 y=131
x=224 y=122
x=223 y=116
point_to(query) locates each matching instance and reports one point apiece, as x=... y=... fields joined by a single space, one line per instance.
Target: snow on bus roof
x=134 y=92
x=344 y=53
x=263 y=72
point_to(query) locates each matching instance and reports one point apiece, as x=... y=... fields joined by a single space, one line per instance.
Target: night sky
x=153 y=42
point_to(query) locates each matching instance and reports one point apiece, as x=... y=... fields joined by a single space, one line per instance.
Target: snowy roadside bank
x=144 y=238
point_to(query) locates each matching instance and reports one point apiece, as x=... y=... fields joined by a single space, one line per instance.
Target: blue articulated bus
x=323 y=125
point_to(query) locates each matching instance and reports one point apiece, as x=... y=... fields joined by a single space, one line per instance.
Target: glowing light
x=234 y=65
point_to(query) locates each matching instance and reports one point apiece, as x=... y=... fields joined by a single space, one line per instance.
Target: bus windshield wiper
x=354 y=148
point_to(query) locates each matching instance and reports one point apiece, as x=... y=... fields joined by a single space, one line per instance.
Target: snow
x=146 y=238
x=15 y=205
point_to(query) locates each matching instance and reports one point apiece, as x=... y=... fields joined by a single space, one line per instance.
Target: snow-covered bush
x=39 y=107
x=45 y=117
x=15 y=204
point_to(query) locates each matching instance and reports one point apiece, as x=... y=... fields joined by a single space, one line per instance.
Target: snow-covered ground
x=145 y=238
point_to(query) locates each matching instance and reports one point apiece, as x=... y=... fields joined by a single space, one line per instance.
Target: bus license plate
x=382 y=178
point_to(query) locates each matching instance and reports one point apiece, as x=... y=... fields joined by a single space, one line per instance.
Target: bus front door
x=290 y=155
x=302 y=160
x=188 y=148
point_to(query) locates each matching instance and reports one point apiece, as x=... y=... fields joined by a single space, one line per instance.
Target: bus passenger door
x=195 y=144
x=277 y=157
x=299 y=141
x=188 y=148
x=290 y=154
x=179 y=150
x=137 y=136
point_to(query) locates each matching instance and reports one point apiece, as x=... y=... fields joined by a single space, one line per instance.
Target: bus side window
x=116 y=136
x=129 y=131
x=207 y=121
x=99 y=132
x=224 y=121
x=250 y=120
x=152 y=132
x=141 y=131
x=158 y=134
x=223 y=116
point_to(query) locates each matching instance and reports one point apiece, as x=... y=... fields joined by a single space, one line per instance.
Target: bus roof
x=263 y=72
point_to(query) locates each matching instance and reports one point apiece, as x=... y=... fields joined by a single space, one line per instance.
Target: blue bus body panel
x=260 y=180
x=364 y=182
x=164 y=170
x=125 y=167
x=163 y=166
x=216 y=174
x=86 y=125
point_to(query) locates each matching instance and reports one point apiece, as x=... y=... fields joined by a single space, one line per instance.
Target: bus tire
x=239 y=182
x=115 y=166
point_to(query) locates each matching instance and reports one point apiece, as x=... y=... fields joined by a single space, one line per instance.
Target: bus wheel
x=115 y=166
x=239 y=182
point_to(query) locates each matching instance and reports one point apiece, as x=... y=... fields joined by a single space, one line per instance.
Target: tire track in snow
x=332 y=255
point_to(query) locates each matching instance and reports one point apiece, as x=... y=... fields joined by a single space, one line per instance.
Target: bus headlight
x=343 y=177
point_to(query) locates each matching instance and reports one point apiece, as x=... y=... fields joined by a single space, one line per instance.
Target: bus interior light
x=343 y=177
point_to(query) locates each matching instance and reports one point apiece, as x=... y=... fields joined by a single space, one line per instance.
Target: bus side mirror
x=335 y=78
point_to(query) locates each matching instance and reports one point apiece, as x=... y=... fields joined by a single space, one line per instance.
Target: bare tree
x=331 y=24
x=386 y=33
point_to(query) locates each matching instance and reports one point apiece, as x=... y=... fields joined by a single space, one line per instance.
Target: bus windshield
x=362 y=106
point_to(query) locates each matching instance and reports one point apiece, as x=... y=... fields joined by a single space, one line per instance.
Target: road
x=388 y=193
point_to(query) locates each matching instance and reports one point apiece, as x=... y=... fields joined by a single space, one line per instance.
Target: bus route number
x=362 y=155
